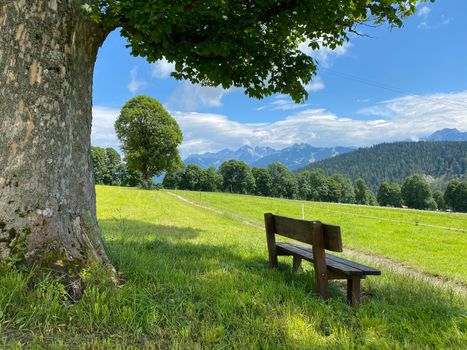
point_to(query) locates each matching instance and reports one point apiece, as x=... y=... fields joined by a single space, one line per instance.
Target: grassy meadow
x=431 y=242
x=196 y=279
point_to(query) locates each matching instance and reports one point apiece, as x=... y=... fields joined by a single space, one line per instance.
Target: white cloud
x=103 y=132
x=408 y=117
x=285 y=105
x=315 y=84
x=135 y=84
x=190 y=96
x=162 y=69
x=423 y=25
x=424 y=12
x=324 y=54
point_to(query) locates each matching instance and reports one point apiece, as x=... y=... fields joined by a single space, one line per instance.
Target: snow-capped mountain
x=294 y=157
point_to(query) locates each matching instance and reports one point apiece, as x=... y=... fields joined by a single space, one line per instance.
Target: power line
x=392 y=88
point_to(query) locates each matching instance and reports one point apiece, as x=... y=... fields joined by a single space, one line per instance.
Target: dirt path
x=395 y=266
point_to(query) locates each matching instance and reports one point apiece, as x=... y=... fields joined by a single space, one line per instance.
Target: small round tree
x=237 y=177
x=389 y=195
x=416 y=193
x=456 y=195
x=150 y=137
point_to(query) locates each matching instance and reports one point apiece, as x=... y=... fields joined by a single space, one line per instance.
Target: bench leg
x=297 y=264
x=353 y=290
x=273 y=263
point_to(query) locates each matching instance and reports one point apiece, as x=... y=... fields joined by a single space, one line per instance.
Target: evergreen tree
x=378 y=164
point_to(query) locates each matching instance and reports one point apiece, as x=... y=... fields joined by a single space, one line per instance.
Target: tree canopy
x=416 y=193
x=389 y=194
x=393 y=162
x=150 y=136
x=456 y=195
x=237 y=177
x=253 y=44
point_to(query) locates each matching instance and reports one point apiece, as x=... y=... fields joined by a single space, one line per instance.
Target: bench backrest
x=310 y=232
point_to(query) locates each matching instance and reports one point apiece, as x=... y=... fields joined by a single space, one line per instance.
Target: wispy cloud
x=316 y=84
x=408 y=117
x=284 y=102
x=424 y=13
x=103 y=132
x=162 y=69
x=135 y=84
x=189 y=97
x=285 y=105
x=324 y=55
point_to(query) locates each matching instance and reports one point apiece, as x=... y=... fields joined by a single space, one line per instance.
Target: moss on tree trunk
x=47 y=197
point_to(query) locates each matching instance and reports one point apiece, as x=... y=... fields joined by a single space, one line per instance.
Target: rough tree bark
x=47 y=199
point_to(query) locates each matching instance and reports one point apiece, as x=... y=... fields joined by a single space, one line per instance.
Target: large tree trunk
x=47 y=199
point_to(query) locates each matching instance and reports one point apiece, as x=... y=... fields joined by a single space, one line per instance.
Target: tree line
x=110 y=169
x=276 y=180
x=393 y=162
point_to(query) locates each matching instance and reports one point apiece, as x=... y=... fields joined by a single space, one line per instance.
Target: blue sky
x=397 y=84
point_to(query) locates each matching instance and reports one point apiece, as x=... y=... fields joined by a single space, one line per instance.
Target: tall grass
x=194 y=279
x=404 y=236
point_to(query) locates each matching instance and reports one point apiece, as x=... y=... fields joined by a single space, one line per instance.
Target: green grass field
x=431 y=242
x=196 y=279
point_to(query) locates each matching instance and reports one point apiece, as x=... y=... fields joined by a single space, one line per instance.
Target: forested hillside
x=393 y=162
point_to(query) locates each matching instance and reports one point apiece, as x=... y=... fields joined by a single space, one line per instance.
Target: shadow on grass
x=226 y=295
x=133 y=229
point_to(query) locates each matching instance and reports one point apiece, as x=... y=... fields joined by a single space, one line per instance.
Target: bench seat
x=334 y=263
x=318 y=238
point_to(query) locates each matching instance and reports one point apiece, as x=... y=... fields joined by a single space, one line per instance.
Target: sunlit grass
x=398 y=234
x=194 y=279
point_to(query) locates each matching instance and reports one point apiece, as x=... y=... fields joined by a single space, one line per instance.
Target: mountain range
x=294 y=157
x=297 y=156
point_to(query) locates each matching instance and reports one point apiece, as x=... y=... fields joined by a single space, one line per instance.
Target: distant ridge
x=300 y=155
x=395 y=161
x=447 y=135
x=294 y=157
x=245 y=153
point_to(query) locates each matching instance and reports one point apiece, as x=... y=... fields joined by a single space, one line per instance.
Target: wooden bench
x=321 y=237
